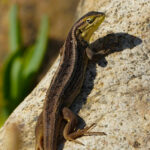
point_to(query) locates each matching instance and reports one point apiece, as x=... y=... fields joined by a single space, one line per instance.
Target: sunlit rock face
x=116 y=90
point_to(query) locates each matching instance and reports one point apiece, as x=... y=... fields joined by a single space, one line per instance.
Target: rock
x=116 y=91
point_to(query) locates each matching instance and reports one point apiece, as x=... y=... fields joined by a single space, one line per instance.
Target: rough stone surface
x=116 y=91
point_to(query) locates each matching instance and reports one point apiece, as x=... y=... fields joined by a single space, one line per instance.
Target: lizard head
x=89 y=23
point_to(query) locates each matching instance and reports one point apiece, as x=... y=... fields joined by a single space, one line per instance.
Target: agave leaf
x=6 y=74
x=15 y=80
x=35 y=57
x=3 y=116
x=27 y=80
x=14 y=33
x=29 y=52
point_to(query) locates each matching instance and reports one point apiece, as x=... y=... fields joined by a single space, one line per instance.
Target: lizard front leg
x=92 y=55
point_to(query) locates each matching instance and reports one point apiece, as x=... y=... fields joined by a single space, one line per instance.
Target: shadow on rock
x=111 y=43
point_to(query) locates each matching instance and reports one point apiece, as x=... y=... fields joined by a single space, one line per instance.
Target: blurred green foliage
x=22 y=65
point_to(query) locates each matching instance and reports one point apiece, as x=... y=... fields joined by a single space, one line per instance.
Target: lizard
x=66 y=85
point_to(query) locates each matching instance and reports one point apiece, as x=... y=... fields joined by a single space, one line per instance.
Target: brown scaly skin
x=66 y=85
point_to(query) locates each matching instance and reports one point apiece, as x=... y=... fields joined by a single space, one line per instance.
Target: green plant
x=22 y=65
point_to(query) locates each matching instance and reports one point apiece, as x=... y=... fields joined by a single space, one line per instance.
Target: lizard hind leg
x=70 y=133
x=39 y=134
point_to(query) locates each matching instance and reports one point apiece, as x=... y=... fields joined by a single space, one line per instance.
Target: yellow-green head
x=89 y=23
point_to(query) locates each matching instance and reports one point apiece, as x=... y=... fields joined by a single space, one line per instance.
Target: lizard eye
x=89 y=21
